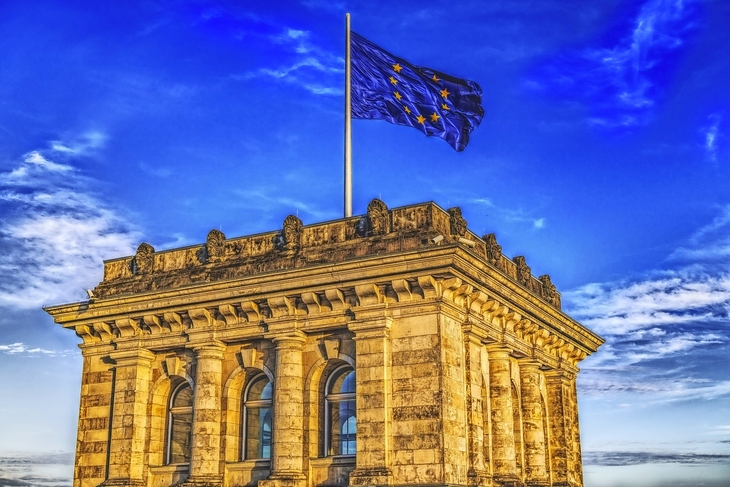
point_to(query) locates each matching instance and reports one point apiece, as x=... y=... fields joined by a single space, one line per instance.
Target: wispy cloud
x=665 y=328
x=623 y=458
x=510 y=215
x=20 y=348
x=56 y=231
x=309 y=66
x=621 y=83
x=265 y=198
x=711 y=135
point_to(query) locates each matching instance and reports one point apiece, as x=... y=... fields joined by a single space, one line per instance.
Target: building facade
x=392 y=349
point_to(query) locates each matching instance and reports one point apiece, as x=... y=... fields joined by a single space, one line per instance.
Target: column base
x=284 y=480
x=371 y=476
x=122 y=483
x=507 y=481
x=475 y=477
x=202 y=481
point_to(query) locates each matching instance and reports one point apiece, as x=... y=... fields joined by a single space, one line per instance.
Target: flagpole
x=348 y=121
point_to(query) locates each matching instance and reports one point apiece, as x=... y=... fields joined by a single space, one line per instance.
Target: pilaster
x=374 y=410
x=287 y=459
x=536 y=474
x=477 y=473
x=562 y=414
x=129 y=417
x=205 y=461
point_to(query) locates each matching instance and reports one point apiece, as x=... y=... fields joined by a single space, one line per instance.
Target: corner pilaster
x=132 y=373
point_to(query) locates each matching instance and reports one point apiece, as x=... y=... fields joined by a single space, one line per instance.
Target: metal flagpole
x=348 y=122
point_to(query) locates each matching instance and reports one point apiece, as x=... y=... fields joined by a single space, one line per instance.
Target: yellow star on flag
x=408 y=110
x=421 y=119
x=444 y=92
x=435 y=117
x=398 y=95
x=445 y=106
x=395 y=82
x=435 y=78
x=397 y=67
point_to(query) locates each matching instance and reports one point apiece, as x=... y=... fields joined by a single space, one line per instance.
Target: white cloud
x=619 y=81
x=671 y=298
x=20 y=348
x=84 y=145
x=310 y=67
x=510 y=215
x=56 y=231
x=666 y=331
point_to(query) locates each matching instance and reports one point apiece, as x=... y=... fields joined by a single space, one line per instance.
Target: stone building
x=392 y=349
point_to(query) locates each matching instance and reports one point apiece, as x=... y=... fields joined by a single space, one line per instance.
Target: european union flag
x=386 y=87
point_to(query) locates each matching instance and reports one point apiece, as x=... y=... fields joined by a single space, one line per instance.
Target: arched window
x=257 y=419
x=340 y=414
x=180 y=424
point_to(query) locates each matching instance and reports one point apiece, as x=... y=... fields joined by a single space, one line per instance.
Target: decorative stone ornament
x=292 y=232
x=143 y=259
x=378 y=217
x=494 y=250
x=524 y=273
x=549 y=291
x=458 y=224
x=215 y=246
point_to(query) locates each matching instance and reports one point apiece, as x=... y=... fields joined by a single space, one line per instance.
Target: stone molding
x=496 y=317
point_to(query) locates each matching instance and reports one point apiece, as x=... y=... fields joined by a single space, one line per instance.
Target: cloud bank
x=664 y=330
x=55 y=229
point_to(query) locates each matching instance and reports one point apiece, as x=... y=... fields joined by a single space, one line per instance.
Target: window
x=180 y=424
x=257 y=419
x=340 y=414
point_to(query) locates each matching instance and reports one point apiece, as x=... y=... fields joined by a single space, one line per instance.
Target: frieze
x=488 y=308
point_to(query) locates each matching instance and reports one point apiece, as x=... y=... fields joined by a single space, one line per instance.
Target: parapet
x=381 y=231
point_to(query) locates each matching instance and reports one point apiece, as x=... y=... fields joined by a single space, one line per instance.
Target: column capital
x=376 y=328
x=211 y=349
x=529 y=363
x=559 y=374
x=292 y=339
x=498 y=351
x=136 y=356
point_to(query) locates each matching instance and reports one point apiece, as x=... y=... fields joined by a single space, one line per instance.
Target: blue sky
x=603 y=157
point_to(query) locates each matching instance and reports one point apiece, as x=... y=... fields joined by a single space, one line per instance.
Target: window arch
x=257 y=419
x=340 y=412
x=180 y=424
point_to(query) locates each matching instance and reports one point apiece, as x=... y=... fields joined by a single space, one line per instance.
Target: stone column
x=503 y=435
x=561 y=417
x=577 y=466
x=477 y=473
x=287 y=459
x=129 y=417
x=373 y=401
x=205 y=461
x=532 y=424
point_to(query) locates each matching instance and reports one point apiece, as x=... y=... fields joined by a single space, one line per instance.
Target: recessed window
x=257 y=419
x=180 y=424
x=341 y=417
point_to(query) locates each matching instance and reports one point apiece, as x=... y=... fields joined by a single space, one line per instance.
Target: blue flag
x=386 y=87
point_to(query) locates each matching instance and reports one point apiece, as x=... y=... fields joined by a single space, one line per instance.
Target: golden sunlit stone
x=465 y=365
